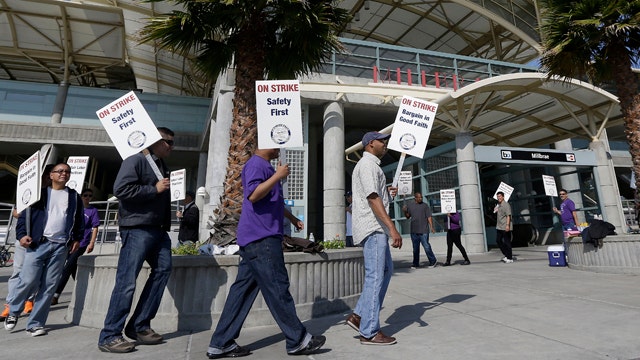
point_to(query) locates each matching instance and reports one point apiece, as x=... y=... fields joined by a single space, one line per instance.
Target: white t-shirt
x=57 y=208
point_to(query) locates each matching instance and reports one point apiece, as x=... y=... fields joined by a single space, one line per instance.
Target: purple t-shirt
x=91 y=220
x=454 y=221
x=264 y=217
x=566 y=211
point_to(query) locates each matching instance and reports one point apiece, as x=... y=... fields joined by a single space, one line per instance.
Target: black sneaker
x=117 y=345
x=466 y=262
x=314 y=344
x=37 y=331
x=10 y=322
x=238 y=351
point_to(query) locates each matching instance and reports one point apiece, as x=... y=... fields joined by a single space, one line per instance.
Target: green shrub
x=186 y=249
x=334 y=244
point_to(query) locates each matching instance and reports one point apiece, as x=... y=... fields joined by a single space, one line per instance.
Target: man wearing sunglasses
x=567 y=212
x=55 y=228
x=144 y=217
x=91 y=224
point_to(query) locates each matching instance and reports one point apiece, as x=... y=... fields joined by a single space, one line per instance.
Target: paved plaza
x=487 y=310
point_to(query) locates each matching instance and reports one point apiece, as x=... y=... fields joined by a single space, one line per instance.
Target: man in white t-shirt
x=55 y=228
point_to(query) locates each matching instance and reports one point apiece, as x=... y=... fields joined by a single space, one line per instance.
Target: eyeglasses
x=563 y=193
x=87 y=195
x=169 y=142
x=61 y=171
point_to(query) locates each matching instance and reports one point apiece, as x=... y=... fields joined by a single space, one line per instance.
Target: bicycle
x=5 y=255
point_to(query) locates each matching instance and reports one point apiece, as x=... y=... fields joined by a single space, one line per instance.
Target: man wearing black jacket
x=189 y=220
x=144 y=217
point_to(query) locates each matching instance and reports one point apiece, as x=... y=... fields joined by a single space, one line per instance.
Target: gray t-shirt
x=419 y=215
x=504 y=210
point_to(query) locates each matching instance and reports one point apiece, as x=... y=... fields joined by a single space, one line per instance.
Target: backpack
x=291 y=244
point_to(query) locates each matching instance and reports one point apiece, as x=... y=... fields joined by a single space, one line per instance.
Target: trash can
x=556 y=255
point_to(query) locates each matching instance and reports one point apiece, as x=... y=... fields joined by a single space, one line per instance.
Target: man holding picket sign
x=144 y=217
x=260 y=230
x=372 y=226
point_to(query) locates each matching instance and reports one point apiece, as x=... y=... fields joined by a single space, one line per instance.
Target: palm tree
x=273 y=39
x=598 y=40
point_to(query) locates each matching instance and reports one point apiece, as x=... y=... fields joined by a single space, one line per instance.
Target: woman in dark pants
x=453 y=237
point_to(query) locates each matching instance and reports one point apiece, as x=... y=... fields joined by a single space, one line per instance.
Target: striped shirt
x=368 y=178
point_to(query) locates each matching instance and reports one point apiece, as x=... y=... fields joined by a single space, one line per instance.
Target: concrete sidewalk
x=487 y=310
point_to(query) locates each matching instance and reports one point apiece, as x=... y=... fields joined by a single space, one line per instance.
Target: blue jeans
x=40 y=272
x=423 y=239
x=150 y=244
x=14 y=279
x=261 y=269
x=378 y=268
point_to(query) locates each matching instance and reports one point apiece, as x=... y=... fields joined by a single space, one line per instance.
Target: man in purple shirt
x=262 y=263
x=567 y=212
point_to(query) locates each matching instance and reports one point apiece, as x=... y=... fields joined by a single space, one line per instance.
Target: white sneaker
x=37 y=331
x=504 y=259
x=508 y=261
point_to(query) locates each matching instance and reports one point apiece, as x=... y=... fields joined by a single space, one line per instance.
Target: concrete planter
x=620 y=254
x=321 y=284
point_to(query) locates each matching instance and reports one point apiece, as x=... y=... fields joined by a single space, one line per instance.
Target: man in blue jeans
x=49 y=229
x=262 y=266
x=372 y=227
x=144 y=217
x=421 y=222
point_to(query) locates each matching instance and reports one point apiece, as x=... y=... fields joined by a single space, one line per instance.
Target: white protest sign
x=412 y=126
x=178 y=186
x=129 y=126
x=506 y=189
x=405 y=183
x=78 y=166
x=549 y=185
x=447 y=201
x=28 y=189
x=279 y=114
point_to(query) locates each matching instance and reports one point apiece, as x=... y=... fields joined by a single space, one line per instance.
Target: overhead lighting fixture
x=357 y=17
x=367 y=5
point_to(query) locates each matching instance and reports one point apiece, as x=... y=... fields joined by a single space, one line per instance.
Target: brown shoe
x=145 y=337
x=378 y=339
x=354 y=321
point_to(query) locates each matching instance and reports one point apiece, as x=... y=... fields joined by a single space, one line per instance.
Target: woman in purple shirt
x=453 y=237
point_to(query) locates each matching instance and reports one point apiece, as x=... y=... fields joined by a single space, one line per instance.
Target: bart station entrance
x=523 y=169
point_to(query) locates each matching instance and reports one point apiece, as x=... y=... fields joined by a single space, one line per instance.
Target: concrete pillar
x=217 y=160
x=201 y=178
x=470 y=202
x=333 y=169
x=569 y=182
x=608 y=193
x=61 y=99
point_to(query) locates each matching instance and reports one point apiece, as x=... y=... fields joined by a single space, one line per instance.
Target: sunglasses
x=169 y=142
x=87 y=195
x=61 y=171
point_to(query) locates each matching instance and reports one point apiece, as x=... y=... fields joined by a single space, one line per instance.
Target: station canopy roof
x=97 y=40
x=97 y=43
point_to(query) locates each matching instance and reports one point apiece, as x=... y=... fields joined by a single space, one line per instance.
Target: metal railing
x=415 y=67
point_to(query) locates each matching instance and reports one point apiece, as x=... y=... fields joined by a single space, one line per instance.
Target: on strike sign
x=412 y=127
x=129 y=126
x=279 y=114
